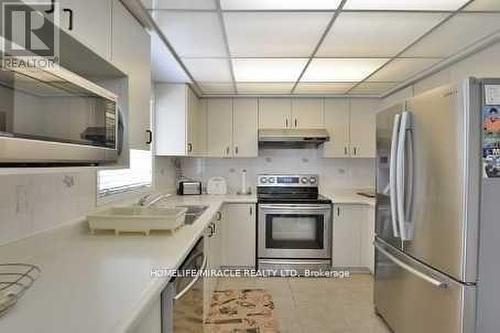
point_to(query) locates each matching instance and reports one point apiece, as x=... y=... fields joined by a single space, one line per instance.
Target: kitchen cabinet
x=151 y=321
x=337 y=122
x=180 y=120
x=351 y=124
x=275 y=112
x=87 y=21
x=363 y=127
x=232 y=127
x=239 y=235
x=131 y=52
x=291 y=113
x=346 y=238
x=352 y=239
x=245 y=127
x=307 y=113
x=219 y=127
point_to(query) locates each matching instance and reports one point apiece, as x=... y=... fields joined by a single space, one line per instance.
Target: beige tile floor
x=318 y=305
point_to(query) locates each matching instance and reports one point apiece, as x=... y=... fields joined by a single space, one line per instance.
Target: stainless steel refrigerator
x=438 y=211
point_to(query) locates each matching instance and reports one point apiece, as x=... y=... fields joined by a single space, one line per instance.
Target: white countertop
x=349 y=197
x=99 y=283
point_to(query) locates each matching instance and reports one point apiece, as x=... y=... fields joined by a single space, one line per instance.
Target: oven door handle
x=192 y=283
x=296 y=207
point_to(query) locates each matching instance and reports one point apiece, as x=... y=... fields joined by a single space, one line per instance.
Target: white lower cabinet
x=239 y=235
x=352 y=237
x=151 y=322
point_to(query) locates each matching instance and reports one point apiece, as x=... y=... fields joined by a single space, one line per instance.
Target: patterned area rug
x=238 y=311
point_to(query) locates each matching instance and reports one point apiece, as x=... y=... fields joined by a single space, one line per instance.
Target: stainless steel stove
x=294 y=223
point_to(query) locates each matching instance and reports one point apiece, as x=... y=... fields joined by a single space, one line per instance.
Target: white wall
x=335 y=174
x=482 y=64
x=33 y=203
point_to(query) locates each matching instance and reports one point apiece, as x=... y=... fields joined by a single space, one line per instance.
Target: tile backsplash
x=335 y=174
x=30 y=203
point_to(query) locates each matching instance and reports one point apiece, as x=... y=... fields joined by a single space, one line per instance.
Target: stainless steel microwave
x=53 y=116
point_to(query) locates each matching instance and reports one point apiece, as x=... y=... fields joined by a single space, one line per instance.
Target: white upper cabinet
x=89 y=22
x=131 y=52
x=275 y=113
x=219 y=127
x=337 y=122
x=176 y=110
x=307 y=113
x=232 y=127
x=245 y=122
x=351 y=124
x=363 y=127
x=197 y=125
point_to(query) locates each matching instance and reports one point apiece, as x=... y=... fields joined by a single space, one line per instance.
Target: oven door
x=294 y=231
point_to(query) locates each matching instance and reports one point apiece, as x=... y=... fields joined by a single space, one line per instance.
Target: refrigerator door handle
x=400 y=174
x=392 y=175
x=408 y=268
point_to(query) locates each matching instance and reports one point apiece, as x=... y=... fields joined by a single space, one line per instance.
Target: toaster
x=189 y=187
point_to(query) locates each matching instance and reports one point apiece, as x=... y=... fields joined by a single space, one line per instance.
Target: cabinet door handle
x=190 y=147
x=150 y=137
x=296 y=123
x=219 y=216
x=70 y=11
x=236 y=150
x=251 y=210
x=286 y=122
x=346 y=151
x=227 y=150
x=338 y=211
x=355 y=151
x=52 y=7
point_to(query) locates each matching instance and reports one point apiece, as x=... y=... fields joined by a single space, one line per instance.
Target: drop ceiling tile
x=456 y=34
x=306 y=88
x=402 y=69
x=209 y=70
x=354 y=34
x=341 y=70
x=216 y=88
x=279 y=4
x=274 y=34
x=193 y=34
x=181 y=4
x=372 y=88
x=268 y=70
x=263 y=88
x=447 y=5
x=483 y=5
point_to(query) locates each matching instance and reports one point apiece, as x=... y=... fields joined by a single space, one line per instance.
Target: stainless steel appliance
x=292 y=138
x=51 y=115
x=436 y=267
x=294 y=223
x=189 y=187
x=182 y=299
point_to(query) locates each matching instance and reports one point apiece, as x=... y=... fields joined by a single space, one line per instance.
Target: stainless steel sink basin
x=193 y=212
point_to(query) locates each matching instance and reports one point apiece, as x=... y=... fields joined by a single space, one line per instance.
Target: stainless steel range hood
x=292 y=138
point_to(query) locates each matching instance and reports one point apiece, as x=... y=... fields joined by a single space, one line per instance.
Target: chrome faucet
x=151 y=198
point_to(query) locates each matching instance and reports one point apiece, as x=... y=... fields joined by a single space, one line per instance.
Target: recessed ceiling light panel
x=341 y=70
x=279 y=4
x=445 y=5
x=268 y=70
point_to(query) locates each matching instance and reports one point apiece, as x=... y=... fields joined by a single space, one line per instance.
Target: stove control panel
x=288 y=180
